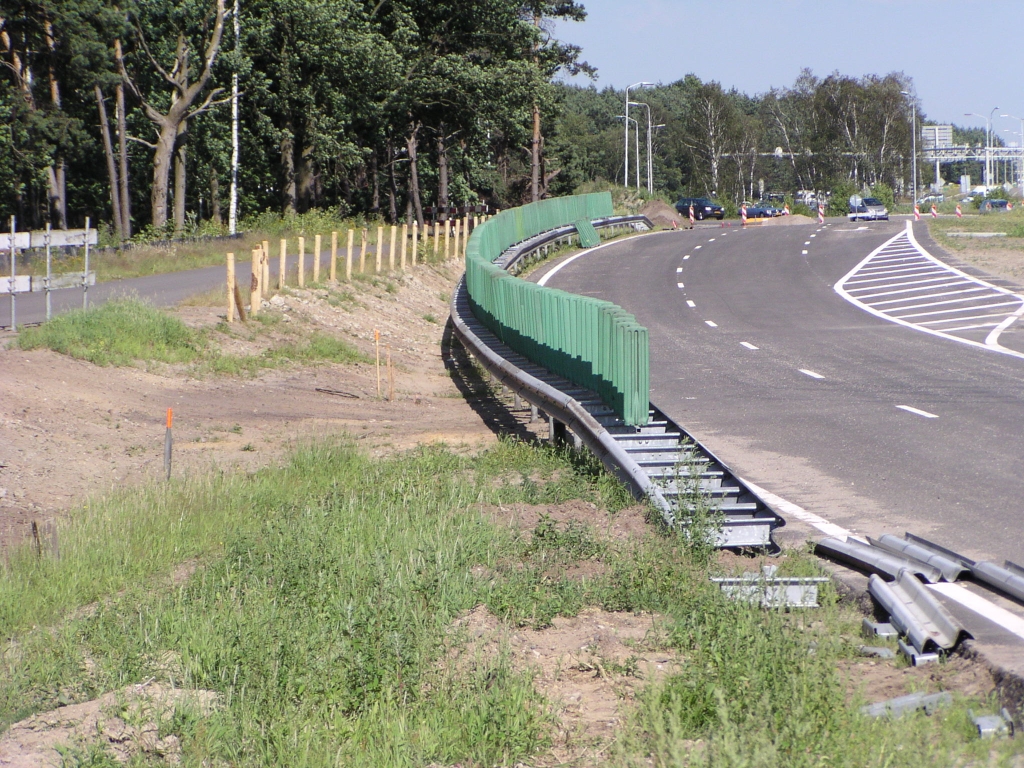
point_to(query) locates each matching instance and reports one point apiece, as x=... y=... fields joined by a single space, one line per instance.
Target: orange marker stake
x=168 y=444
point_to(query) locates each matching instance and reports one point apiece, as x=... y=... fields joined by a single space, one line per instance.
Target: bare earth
x=69 y=429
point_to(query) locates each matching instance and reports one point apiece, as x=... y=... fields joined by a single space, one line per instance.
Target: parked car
x=987 y=206
x=932 y=199
x=762 y=211
x=868 y=209
x=702 y=208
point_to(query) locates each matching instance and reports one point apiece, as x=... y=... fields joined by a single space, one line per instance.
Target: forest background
x=122 y=112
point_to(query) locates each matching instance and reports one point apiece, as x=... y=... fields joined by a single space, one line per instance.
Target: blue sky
x=963 y=55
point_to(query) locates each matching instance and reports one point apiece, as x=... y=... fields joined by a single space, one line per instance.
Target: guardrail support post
x=517 y=402
x=534 y=416
x=557 y=432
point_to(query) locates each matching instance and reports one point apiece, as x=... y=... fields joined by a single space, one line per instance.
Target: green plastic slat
x=592 y=343
x=588 y=235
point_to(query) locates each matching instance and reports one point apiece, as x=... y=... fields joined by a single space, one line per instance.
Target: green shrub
x=117 y=333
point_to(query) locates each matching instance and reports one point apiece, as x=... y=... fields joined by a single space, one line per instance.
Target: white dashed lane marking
x=903 y=283
x=690 y=304
x=713 y=325
x=679 y=269
x=918 y=411
x=679 y=285
x=748 y=345
x=812 y=374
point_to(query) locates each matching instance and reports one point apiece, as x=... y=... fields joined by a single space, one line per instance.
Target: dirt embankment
x=69 y=429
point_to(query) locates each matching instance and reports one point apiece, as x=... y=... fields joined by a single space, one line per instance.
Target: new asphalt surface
x=873 y=425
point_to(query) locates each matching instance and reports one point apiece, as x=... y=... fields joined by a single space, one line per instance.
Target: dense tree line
x=121 y=111
x=383 y=107
x=814 y=135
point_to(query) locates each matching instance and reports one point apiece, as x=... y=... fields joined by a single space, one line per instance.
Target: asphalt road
x=164 y=290
x=799 y=390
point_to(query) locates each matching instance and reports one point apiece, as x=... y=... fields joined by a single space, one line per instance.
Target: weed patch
x=117 y=333
x=321 y=607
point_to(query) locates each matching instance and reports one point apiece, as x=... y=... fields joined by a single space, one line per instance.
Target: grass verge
x=127 y=331
x=321 y=601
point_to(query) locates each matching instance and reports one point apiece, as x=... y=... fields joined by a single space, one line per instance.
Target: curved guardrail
x=657 y=459
x=592 y=343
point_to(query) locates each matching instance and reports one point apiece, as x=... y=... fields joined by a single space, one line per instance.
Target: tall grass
x=321 y=610
x=126 y=331
x=117 y=333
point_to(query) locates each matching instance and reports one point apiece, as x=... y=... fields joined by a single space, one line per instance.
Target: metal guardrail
x=658 y=459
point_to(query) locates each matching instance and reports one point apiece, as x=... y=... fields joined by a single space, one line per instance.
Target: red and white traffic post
x=959 y=213
x=935 y=213
x=821 y=213
x=917 y=213
x=743 y=213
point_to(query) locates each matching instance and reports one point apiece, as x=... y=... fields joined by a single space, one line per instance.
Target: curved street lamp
x=1020 y=176
x=641 y=84
x=913 y=142
x=988 y=143
x=627 y=121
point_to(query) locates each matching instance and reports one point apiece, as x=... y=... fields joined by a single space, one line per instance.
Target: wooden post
x=348 y=257
x=380 y=246
x=405 y=244
x=281 y=275
x=265 y=270
x=254 y=283
x=362 y=253
x=437 y=232
x=231 y=287
x=391 y=378
x=458 y=232
x=334 y=257
x=376 y=343
x=465 y=233
x=391 y=249
x=447 y=252
x=415 y=241
x=316 y=259
x=302 y=262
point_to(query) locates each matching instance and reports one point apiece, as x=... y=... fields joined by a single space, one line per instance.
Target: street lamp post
x=648 y=108
x=988 y=143
x=632 y=120
x=625 y=175
x=1020 y=176
x=913 y=143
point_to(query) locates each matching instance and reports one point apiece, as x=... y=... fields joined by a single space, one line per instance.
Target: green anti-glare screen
x=592 y=343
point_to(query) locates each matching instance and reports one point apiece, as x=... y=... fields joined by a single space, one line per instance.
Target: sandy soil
x=127 y=723
x=69 y=429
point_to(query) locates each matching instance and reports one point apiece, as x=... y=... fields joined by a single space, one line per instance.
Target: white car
x=868 y=209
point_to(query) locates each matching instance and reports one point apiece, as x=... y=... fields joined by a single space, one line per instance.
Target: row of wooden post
x=454 y=233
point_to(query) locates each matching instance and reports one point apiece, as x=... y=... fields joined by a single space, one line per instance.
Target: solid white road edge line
x=812 y=374
x=918 y=411
x=980 y=605
x=801 y=514
x=571 y=259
